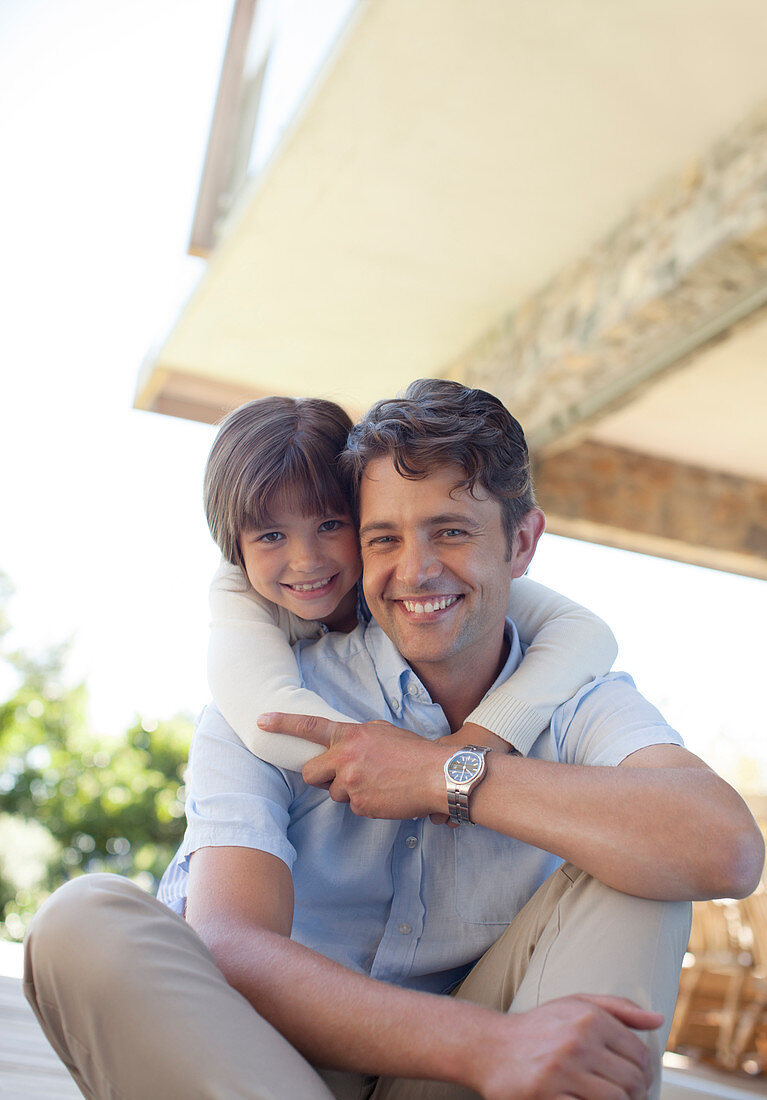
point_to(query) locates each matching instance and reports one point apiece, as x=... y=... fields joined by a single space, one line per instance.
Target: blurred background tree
x=72 y=802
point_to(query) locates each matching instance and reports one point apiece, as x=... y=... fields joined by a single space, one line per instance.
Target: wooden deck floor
x=29 y=1069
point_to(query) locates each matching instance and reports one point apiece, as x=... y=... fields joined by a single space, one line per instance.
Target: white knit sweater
x=252 y=668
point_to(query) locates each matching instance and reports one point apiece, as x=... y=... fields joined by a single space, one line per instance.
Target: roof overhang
x=449 y=160
x=463 y=175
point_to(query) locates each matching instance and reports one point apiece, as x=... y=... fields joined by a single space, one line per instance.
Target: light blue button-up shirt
x=408 y=902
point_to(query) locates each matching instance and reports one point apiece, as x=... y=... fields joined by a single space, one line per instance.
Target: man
x=342 y=909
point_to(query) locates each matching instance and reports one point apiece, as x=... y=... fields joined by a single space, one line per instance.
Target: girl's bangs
x=305 y=488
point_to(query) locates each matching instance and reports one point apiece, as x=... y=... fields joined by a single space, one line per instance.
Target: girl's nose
x=306 y=556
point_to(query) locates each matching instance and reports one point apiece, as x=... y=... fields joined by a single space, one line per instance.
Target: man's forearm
x=665 y=832
x=343 y=1020
x=662 y=825
x=240 y=903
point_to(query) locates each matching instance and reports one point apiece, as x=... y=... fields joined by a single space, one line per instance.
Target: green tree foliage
x=72 y=802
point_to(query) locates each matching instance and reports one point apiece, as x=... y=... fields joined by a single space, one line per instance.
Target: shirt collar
x=396 y=676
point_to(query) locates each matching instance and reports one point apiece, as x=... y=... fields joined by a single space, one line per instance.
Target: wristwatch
x=464 y=771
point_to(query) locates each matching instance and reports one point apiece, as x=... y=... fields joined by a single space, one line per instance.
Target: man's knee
x=603 y=941
x=78 y=927
x=577 y=935
x=623 y=917
x=590 y=911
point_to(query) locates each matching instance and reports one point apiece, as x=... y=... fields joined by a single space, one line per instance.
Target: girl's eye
x=271 y=536
x=331 y=525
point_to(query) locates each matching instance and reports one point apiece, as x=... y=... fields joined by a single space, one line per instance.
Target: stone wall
x=686 y=264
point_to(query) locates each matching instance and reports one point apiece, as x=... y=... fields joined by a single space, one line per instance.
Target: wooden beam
x=653 y=506
x=191 y=396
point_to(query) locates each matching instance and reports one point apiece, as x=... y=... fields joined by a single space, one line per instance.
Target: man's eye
x=381 y=540
x=270 y=537
x=453 y=532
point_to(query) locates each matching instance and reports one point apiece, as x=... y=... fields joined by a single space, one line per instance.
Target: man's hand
x=574 y=1046
x=380 y=770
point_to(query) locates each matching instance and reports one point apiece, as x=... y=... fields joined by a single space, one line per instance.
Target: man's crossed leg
x=135 y=1006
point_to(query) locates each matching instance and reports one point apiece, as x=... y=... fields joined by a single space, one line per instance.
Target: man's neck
x=460 y=685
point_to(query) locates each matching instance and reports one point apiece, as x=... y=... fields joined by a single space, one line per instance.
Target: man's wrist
x=482 y=1032
x=471 y=734
x=436 y=776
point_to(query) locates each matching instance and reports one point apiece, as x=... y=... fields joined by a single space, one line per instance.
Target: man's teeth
x=427 y=608
x=310 y=587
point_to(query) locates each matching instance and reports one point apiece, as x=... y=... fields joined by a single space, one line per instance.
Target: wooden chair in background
x=745 y=1039
x=721 y=1013
x=710 y=982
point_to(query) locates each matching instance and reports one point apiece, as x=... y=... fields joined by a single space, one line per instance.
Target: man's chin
x=424 y=650
x=429 y=641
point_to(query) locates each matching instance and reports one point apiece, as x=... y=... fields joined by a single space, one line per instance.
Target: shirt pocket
x=493 y=875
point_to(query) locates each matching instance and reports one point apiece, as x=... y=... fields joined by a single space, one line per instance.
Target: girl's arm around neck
x=252 y=669
x=567 y=647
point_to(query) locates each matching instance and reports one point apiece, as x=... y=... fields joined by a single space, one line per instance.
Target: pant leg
x=134 y=1005
x=575 y=935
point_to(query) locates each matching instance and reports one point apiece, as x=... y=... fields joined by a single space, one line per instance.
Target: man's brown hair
x=437 y=422
x=274 y=449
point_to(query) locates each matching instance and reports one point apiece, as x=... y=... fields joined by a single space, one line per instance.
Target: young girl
x=278 y=509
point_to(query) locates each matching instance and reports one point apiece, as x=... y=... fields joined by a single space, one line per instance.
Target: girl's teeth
x=427 y=608
x=311 y=587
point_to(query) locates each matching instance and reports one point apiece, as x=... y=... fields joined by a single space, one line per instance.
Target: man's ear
x=526 y=538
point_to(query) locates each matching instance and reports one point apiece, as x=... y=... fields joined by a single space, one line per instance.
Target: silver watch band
x=458 y=807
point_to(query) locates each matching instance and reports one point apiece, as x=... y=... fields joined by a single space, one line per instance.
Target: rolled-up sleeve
x=606 y=721
x=233 y=798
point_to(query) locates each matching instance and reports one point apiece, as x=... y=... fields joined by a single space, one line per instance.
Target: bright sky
x=106 y=114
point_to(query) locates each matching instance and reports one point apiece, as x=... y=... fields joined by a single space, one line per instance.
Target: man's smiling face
x=437 y=567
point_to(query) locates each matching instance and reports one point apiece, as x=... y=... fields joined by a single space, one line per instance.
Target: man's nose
x=417 y=564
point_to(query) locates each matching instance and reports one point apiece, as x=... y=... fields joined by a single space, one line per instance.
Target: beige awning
x=451 y=162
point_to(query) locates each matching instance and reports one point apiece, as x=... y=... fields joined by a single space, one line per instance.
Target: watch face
x=464 y=766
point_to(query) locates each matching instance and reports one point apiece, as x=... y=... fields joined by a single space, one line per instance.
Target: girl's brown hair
x=274 y=448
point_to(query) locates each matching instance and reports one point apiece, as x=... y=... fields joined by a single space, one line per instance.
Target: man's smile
x=434 y=604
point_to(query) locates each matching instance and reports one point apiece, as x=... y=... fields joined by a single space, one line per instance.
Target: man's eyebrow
x=376 y=525
x=449 y=518
x=455 y=519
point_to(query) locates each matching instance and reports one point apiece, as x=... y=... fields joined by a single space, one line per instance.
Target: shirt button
x=412 y=689
x=405 y=929
x=394 y=705
x=411 y=841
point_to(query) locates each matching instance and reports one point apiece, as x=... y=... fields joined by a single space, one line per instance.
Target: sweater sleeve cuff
x=509 y=718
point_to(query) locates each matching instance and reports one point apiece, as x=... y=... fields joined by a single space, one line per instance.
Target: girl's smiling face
x=307 y=564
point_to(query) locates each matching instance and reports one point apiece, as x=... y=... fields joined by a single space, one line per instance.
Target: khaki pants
x=135 y=1007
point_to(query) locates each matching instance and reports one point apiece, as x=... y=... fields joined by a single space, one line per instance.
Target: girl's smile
x=307 y=564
